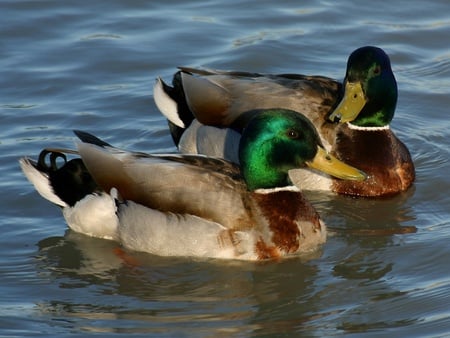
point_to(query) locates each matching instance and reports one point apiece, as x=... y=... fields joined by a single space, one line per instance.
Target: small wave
x=437 y=66
x=18 y=106
x=100 y=36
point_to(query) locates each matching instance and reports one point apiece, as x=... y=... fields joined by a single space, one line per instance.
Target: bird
x=194 y=205
x=205 y=109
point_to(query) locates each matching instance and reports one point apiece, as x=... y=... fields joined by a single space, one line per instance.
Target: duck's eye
x=293 y=134
x=377 y=70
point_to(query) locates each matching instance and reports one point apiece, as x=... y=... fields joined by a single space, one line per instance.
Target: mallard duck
x=193 y=205
x=204 y=109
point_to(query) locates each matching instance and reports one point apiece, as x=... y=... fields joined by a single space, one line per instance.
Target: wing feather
x=205 y=187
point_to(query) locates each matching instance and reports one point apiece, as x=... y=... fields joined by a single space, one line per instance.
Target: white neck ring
x=355 y=127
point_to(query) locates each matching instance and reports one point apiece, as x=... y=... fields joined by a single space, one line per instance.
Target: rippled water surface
x=91 y=66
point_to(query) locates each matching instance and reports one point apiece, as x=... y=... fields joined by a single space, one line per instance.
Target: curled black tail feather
x=53 y=163
x=70 y=180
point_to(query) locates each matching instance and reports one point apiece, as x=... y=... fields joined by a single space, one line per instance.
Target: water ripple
x=100 y=36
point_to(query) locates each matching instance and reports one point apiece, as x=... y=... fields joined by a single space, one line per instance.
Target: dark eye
x=293 y=134
x=377 y=70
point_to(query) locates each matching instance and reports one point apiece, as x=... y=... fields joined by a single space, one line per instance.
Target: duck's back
x=219 y=98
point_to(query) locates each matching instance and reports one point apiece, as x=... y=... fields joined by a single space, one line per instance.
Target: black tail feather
x=91 y=139
x=176 y=93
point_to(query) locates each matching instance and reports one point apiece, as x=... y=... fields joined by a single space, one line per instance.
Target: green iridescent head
x=277 y=140
x=370 y=90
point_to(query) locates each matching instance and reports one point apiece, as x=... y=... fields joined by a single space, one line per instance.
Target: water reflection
x=360 y=266
x=84 y=258
x=365 y=217
x=154 y=294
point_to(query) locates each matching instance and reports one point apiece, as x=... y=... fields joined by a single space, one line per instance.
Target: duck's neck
x=261 y=173
x=373 y=116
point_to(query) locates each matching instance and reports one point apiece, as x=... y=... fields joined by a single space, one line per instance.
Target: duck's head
x=277 y=140
x=370 y=90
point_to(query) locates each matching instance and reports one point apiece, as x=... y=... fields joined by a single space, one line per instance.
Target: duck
x=205 y=113
x=194 y=205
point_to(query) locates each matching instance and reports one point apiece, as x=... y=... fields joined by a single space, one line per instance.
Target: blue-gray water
x=91 y=65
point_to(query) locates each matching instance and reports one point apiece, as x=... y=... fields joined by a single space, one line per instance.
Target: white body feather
x=169 y=234
x=210 y=141
x=95 y=216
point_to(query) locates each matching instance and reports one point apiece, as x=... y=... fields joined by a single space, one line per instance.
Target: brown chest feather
x=283 y=211
x=381 y=155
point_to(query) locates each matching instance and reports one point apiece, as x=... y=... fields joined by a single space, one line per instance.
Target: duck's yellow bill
x=334 y=167
x=351 y=104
